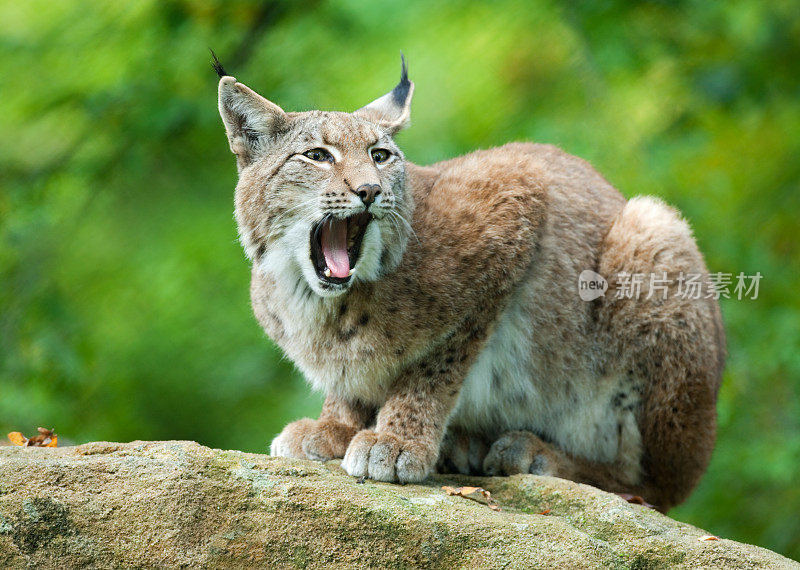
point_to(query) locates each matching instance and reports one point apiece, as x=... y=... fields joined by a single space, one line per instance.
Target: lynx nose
x=368 y=192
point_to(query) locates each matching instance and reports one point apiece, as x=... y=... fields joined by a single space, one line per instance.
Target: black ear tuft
x=217 y=65
x=392 y=110
x=400 y=92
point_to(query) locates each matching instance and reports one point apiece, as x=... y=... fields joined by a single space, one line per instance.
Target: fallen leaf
x=46 y=438
x=478 y=494
x=708 y=537
x=17 y=438
x=636 y=500
x=460 y=490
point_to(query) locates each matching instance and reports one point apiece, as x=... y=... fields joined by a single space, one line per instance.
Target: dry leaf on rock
x=636 y=500
x=17 y=438
x=46 y=438
x=478 y=494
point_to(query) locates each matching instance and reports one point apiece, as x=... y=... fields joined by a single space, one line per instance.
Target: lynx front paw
x=520 y=452
x=387 y=457
x=312 y=439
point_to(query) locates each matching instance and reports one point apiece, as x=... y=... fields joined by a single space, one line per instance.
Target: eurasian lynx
x=438 y=308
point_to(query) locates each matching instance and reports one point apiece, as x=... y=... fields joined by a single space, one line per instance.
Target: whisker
x=395 y=225
x=276 y=224
x=406 y=222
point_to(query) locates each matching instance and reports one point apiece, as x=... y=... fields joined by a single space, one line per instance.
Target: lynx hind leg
x=462 y=452
x=524 y=452
x=671 y=343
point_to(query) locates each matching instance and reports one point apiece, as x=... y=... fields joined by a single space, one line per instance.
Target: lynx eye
x=380 y=155
x=318 y=155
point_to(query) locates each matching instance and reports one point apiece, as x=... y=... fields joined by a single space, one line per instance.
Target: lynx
x=437 y=307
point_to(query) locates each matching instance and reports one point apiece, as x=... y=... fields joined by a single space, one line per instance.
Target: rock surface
x=179 y=504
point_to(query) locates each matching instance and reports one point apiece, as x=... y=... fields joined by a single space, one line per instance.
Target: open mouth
x=336 y=245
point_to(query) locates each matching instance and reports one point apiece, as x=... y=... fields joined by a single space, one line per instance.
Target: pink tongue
x=334 y=247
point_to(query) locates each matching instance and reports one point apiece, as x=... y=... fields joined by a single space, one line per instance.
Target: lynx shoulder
x=438 y=308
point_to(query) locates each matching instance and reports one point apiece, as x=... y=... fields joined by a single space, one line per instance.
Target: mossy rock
x=179 y=504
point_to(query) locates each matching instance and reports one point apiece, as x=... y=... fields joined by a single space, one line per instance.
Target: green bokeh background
x=124 y=310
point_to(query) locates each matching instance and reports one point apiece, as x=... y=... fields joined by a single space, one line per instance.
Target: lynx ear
x=250 y=120
x=393 y=110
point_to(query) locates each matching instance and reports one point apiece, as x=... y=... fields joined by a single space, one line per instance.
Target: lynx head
x=321 y=197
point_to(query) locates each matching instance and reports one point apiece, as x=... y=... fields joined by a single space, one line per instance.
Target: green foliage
x=124 y=309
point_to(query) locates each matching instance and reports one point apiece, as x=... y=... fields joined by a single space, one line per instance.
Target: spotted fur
x=461 y=340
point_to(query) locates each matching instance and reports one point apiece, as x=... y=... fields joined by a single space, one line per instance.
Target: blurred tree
x=124 y=310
